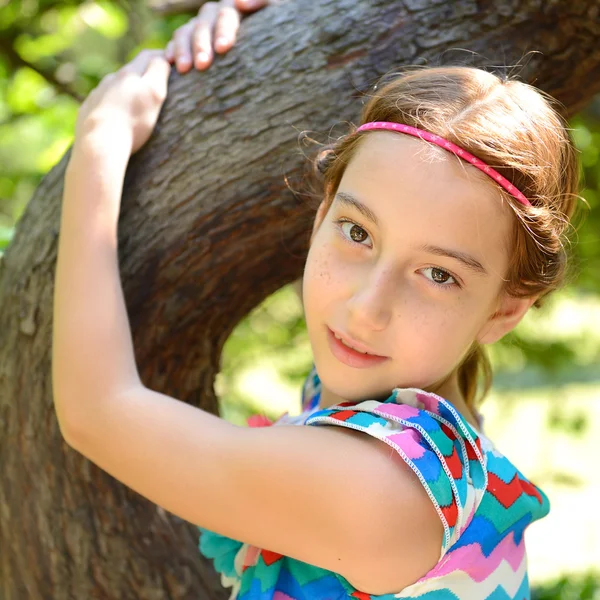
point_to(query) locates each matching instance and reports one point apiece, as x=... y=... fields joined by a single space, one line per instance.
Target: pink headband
x=447 y=145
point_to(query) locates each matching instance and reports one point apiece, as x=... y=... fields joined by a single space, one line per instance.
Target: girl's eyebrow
x=349 y=200
x=468 y=261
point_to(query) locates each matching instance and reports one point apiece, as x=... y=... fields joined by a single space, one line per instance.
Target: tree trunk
x=208 y=230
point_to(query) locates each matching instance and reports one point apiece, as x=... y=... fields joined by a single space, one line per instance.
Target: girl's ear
x=321 y=212
x=509 y=312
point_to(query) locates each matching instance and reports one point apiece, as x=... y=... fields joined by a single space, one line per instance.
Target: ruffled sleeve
x=442 y=449
x=223 y=551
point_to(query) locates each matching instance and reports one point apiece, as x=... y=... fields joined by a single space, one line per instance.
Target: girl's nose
x=371 y=304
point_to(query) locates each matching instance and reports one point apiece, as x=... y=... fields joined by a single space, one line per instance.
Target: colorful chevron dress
x=482 y=499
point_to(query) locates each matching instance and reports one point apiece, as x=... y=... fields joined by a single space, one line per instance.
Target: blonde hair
x=515 y=129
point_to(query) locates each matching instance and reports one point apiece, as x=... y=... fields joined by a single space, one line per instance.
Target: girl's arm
x=92 y=349
x=332 y=497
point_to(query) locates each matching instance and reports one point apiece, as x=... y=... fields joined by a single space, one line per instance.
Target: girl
x=440 y=225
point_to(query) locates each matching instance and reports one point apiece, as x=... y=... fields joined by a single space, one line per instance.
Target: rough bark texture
x=174 y=7
x=208 y=230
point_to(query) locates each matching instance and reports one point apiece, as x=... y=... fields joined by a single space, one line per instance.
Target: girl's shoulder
x=463 y=472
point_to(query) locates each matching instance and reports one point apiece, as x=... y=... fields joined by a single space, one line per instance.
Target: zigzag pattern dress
x=484 y=502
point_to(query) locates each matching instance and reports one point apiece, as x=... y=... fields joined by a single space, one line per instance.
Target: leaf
x=6 y=235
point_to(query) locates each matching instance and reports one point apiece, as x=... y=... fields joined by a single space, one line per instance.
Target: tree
x=208 y=229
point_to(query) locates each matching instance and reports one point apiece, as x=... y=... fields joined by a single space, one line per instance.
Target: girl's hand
x=218 y=21
x=124 y=108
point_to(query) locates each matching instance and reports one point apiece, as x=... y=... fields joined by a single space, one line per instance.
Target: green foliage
x=582 y=587
x=587 y=137
x=52 y=54
x=6 y=234
x=273 y=334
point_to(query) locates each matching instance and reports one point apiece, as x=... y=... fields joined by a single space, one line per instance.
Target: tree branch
x=165 y=8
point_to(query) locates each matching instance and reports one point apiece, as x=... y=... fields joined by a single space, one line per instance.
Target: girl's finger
x=141 y=61
x=183 y=53
x=226 y=27
x=202 y=34
x=157 y=76
x=170 y=51
x=250 y=5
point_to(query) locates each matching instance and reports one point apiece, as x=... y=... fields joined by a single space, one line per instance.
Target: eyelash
x=444 y=286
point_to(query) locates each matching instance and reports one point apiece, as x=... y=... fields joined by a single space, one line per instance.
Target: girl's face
x=400 y=286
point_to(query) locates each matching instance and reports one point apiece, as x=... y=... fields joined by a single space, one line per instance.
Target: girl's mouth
x=351 y=357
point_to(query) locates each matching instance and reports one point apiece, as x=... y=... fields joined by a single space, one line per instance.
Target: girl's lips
x=351 y=357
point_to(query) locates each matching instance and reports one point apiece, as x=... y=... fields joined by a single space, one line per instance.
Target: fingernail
x=221 y=42
x=202 y=57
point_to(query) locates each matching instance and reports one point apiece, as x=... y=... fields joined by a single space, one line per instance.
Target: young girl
x=440 y=225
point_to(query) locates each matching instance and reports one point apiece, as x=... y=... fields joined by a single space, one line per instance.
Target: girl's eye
x=441 y=278
x=356 y=234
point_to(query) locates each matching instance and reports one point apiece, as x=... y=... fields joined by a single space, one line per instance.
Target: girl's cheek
x=314 y=283
x=318 y=270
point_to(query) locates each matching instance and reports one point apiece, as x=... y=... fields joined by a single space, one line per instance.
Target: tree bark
x=208 y=230
x=174 y=7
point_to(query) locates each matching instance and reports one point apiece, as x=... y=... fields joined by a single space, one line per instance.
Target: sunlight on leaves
x=6 y=235
x=27 y=91
x=104 y=17
x=53 y=153
x=33 y=48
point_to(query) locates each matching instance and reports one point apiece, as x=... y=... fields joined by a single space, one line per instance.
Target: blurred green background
x=544 y=410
